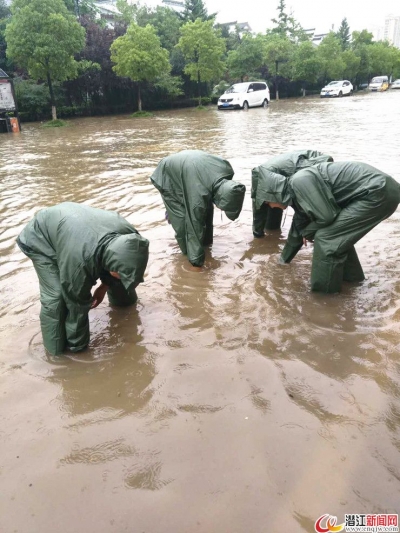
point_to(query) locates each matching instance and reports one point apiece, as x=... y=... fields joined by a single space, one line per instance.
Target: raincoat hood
x=127 y=255
x=272 y=187
x=229 y=196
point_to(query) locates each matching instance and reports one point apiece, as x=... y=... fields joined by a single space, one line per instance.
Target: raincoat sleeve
x=78 y=299
x=315 y=199
x=295 y=238
x=195 y=232
x=259 y=215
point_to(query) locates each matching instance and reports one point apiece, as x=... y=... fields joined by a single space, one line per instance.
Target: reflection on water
x=234 y=390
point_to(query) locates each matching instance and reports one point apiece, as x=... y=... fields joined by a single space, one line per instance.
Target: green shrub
x=55 y=124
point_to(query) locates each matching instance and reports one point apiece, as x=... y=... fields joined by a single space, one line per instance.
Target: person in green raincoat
x=72 y=246
x=190 y=183
x=335 y=205
x=266 y=217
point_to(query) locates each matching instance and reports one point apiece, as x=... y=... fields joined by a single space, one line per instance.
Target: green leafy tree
x=351 y=65
x=329 y=53
x=384 y=59
x=343 y=34
x=196 y=9
x=43 y=37
x=287 y=26
x=4 y=19
x=166 y=22
x=247 y=58
x=277 y=53
x=361 y=44
x=138 y=55
x=305 y=65
x=202 y=49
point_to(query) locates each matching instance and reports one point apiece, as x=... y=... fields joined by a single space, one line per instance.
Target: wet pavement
x=227 y=401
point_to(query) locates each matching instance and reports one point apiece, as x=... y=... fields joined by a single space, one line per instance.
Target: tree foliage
x=138 y=55
x=247 y=58
x=343 y=34
x=43 y=37
x=202 y=49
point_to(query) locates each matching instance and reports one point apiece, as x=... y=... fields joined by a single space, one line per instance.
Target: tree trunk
x=304 y=91
x=199 y=85
x=139 y=98
x=52 y=99
x=276 y=81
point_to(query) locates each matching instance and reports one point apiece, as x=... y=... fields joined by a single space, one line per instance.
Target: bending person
x=71 y=246
x=335 y=205
x=266 y=217
x=190 y=183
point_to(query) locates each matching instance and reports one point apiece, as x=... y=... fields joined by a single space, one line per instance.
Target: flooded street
x=228 y=401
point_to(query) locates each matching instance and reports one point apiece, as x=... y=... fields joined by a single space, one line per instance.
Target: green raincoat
x=335 y=205
x=190 y=183
x=71 y=246
x=264 y=216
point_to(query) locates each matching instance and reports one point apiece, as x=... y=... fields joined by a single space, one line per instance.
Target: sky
x=310 y=13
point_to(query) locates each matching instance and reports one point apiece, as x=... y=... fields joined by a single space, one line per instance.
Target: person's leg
x=352 y=269
x=53 y=309
x=274 y=218
x=176 y=217
x=120 y=297
x=209 y=231
x=334 y=245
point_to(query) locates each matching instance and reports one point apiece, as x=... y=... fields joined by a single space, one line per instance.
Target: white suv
x=337 y=88
x=245 y=95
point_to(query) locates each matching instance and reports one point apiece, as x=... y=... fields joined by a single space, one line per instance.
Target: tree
x=247 y=58
x=43 y=37
x=166 y=22
x=138 y=55
x=351 y=65
x=202 y=49
x=343 y=34
x=329 y=52
x=277 y=52
x=287 y=26
x=361 y=44
x=305 y=65
x=195 y=9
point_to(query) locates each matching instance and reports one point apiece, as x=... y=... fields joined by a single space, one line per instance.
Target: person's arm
x=316 y=200
x=98 y=295
x=195 y=231
x=294 y=240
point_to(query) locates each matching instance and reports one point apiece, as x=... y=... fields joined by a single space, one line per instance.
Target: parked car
x=379 y=83
x=245 y=95
x=337 y=88
x=395 y=84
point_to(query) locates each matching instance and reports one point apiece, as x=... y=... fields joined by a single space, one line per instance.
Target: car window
x=251 y=86
x=259 y=86
x=346 y=83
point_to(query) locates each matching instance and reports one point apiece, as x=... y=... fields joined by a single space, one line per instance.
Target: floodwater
x=227 y=401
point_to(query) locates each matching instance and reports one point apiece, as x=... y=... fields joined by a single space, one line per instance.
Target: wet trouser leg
x=334 y=258
x=53 y=311
x=176 y=216
x=120 y=297
x=209 y=229
x=265 y=218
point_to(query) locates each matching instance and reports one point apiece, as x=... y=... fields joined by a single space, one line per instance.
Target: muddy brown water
x=227 y=401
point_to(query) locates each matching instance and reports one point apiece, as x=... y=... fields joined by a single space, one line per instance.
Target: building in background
x=392 y=30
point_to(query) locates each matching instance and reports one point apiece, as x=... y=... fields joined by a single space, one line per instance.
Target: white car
x=245 y=95
x=337 y=88
x=395 y=84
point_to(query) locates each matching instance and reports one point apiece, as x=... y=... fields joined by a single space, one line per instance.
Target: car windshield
x=378 y=80
x=334 y=83
x=237 y=88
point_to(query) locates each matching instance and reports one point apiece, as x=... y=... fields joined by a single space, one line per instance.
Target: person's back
x=190 y=182
x=71 y=246
x=287 y=164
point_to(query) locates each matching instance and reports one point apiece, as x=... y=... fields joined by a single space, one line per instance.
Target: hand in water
x=98 y=295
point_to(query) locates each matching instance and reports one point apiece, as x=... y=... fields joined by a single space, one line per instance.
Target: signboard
x=6 y=96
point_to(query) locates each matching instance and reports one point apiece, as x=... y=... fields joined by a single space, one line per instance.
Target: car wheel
x=265 y=103
x=245 y=105
x=340 y=94
x=351 y=92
